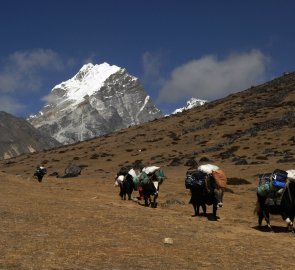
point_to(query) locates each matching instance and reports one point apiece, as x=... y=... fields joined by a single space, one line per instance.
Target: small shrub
x=94 y=156
x=261 y=158
x=237 y=181
x=205 y=159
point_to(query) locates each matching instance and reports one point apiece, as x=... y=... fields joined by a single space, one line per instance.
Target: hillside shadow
x=210 y=217
x=276 y=229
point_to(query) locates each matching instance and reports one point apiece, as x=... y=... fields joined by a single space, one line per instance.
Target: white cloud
x=90 y=59
x=10 y=105
x=23 y=70
x=211 y=78
x=50 y=98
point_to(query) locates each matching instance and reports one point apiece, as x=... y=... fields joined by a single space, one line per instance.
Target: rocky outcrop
x=18 y=137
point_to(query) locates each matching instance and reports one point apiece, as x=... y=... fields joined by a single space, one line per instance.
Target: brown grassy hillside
x=80 y=223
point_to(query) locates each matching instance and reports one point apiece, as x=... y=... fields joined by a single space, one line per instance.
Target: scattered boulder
x=191 y=163
x=175 y=162
x=72 y=170
x=205 y=159
x=237 y=181
x=54 y=174
x=168 y=241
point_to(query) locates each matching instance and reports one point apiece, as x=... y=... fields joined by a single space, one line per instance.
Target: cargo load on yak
x=220 y=178
x=143 y=178
x=155 y=174
x=123 y=173
x=291 y=175
x=218 y=174
x=270 y=183
x=149 y=178
x=279 y=178
x=195 y=178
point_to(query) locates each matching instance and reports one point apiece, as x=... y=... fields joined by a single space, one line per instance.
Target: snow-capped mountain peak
x=98 y=100
x=87 y=81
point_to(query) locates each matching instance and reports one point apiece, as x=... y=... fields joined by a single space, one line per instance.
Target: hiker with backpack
x=40 y=172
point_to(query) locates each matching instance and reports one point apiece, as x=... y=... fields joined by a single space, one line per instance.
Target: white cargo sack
x=151 y=169
x=132 y=173
x=208 y=168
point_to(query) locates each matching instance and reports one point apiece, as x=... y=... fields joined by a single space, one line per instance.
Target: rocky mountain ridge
x=18 y=137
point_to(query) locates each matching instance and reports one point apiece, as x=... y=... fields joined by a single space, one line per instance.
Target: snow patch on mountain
x=192 y=103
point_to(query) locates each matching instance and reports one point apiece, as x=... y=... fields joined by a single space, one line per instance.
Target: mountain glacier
x=98 y=100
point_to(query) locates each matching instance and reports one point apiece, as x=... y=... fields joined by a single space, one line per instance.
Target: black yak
x=205 y=189
x=282 y=204
x=124 y=179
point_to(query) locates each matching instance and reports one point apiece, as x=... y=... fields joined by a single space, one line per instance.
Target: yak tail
x=257 y=208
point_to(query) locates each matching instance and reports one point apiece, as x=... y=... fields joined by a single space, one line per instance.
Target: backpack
x=41 y=170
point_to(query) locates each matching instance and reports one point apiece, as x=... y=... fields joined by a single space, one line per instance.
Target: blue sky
x=178 y=49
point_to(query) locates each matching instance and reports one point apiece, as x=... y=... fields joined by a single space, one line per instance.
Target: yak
x=124 y=179
x=204 y=194
x=284 y=206
x=127 y=187
x=149 y=180
x=204 y=189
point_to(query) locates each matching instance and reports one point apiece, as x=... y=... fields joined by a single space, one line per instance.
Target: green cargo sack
x=265 y=189
x=143 y=179
x=265 y=185
x=135 y=182
x=160 y=176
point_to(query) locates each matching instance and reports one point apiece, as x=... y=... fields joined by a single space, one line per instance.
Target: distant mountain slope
x=18 y=137
x=252 y=131
x=98 y=100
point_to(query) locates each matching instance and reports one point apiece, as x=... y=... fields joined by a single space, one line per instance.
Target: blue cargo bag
x=279 y=178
